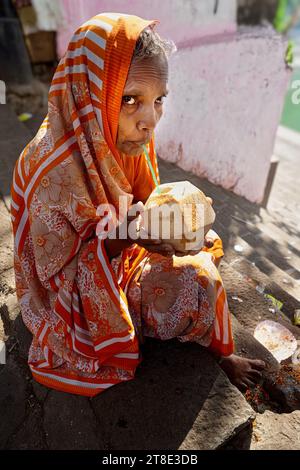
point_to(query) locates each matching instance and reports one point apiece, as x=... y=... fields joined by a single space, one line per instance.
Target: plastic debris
x=238 y=248
x=297 y=317
x=276 y=304
x=275 y=337
x=260 y=288
x=235 y=297
x=24 y=117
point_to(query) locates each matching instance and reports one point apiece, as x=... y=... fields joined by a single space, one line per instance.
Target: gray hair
x=150 y=44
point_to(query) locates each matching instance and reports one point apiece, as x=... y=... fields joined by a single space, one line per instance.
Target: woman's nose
x=148 y=120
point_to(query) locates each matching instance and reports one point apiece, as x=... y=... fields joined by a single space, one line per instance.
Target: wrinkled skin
x=142 y=103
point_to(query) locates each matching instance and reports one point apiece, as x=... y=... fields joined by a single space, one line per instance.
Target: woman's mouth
x=137 y=143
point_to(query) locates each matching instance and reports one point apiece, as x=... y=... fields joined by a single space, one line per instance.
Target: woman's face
x=142 y=103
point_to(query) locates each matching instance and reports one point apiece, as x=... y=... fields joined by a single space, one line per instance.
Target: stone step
x=276 y=431
x=270 y=431
x=281 y=233
x=146 y=415
x=257 y=255
x=263 y=244
x=179 y=399
x=240 y=278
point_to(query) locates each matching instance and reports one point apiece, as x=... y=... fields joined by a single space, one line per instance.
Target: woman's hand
x=155 y=245
x=135 y=234
x=141 y=237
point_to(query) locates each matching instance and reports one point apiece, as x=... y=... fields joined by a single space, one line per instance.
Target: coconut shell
x=179 y=214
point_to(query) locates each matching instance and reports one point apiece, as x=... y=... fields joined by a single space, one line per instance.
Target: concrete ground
x=180 y=398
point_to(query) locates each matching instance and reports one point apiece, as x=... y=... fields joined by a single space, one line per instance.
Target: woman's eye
x=160 y=100
x=128 y=100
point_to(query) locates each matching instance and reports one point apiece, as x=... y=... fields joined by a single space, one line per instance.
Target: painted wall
x=224 y=106
x=179 y=20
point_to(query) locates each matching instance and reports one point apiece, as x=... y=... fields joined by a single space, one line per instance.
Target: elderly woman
x=89 y=301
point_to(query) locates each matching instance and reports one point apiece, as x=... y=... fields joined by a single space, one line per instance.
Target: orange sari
x=80 y=307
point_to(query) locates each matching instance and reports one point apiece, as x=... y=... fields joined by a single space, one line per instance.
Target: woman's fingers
x=135 y=210
x=209 y=199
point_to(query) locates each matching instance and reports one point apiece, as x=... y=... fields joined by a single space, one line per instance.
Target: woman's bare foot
x=241 y=371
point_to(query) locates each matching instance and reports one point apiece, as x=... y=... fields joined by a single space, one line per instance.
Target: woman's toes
x=242 y=386
x=250 y=383
x=255 y=375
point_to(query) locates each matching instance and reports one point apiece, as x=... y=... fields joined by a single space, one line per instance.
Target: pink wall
x=222 y=115
x=179 y=20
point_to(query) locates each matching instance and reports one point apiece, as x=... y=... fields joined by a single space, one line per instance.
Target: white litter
x=238 y=248
x=260 y=288
x=276 y=338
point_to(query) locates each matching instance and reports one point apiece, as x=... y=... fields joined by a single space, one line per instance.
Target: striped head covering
x=71 y=300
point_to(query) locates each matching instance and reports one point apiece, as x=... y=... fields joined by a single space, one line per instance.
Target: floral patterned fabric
x=181 y=297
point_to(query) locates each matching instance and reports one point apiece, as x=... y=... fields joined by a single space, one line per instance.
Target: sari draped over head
x=72 y=298
x=62 y=176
